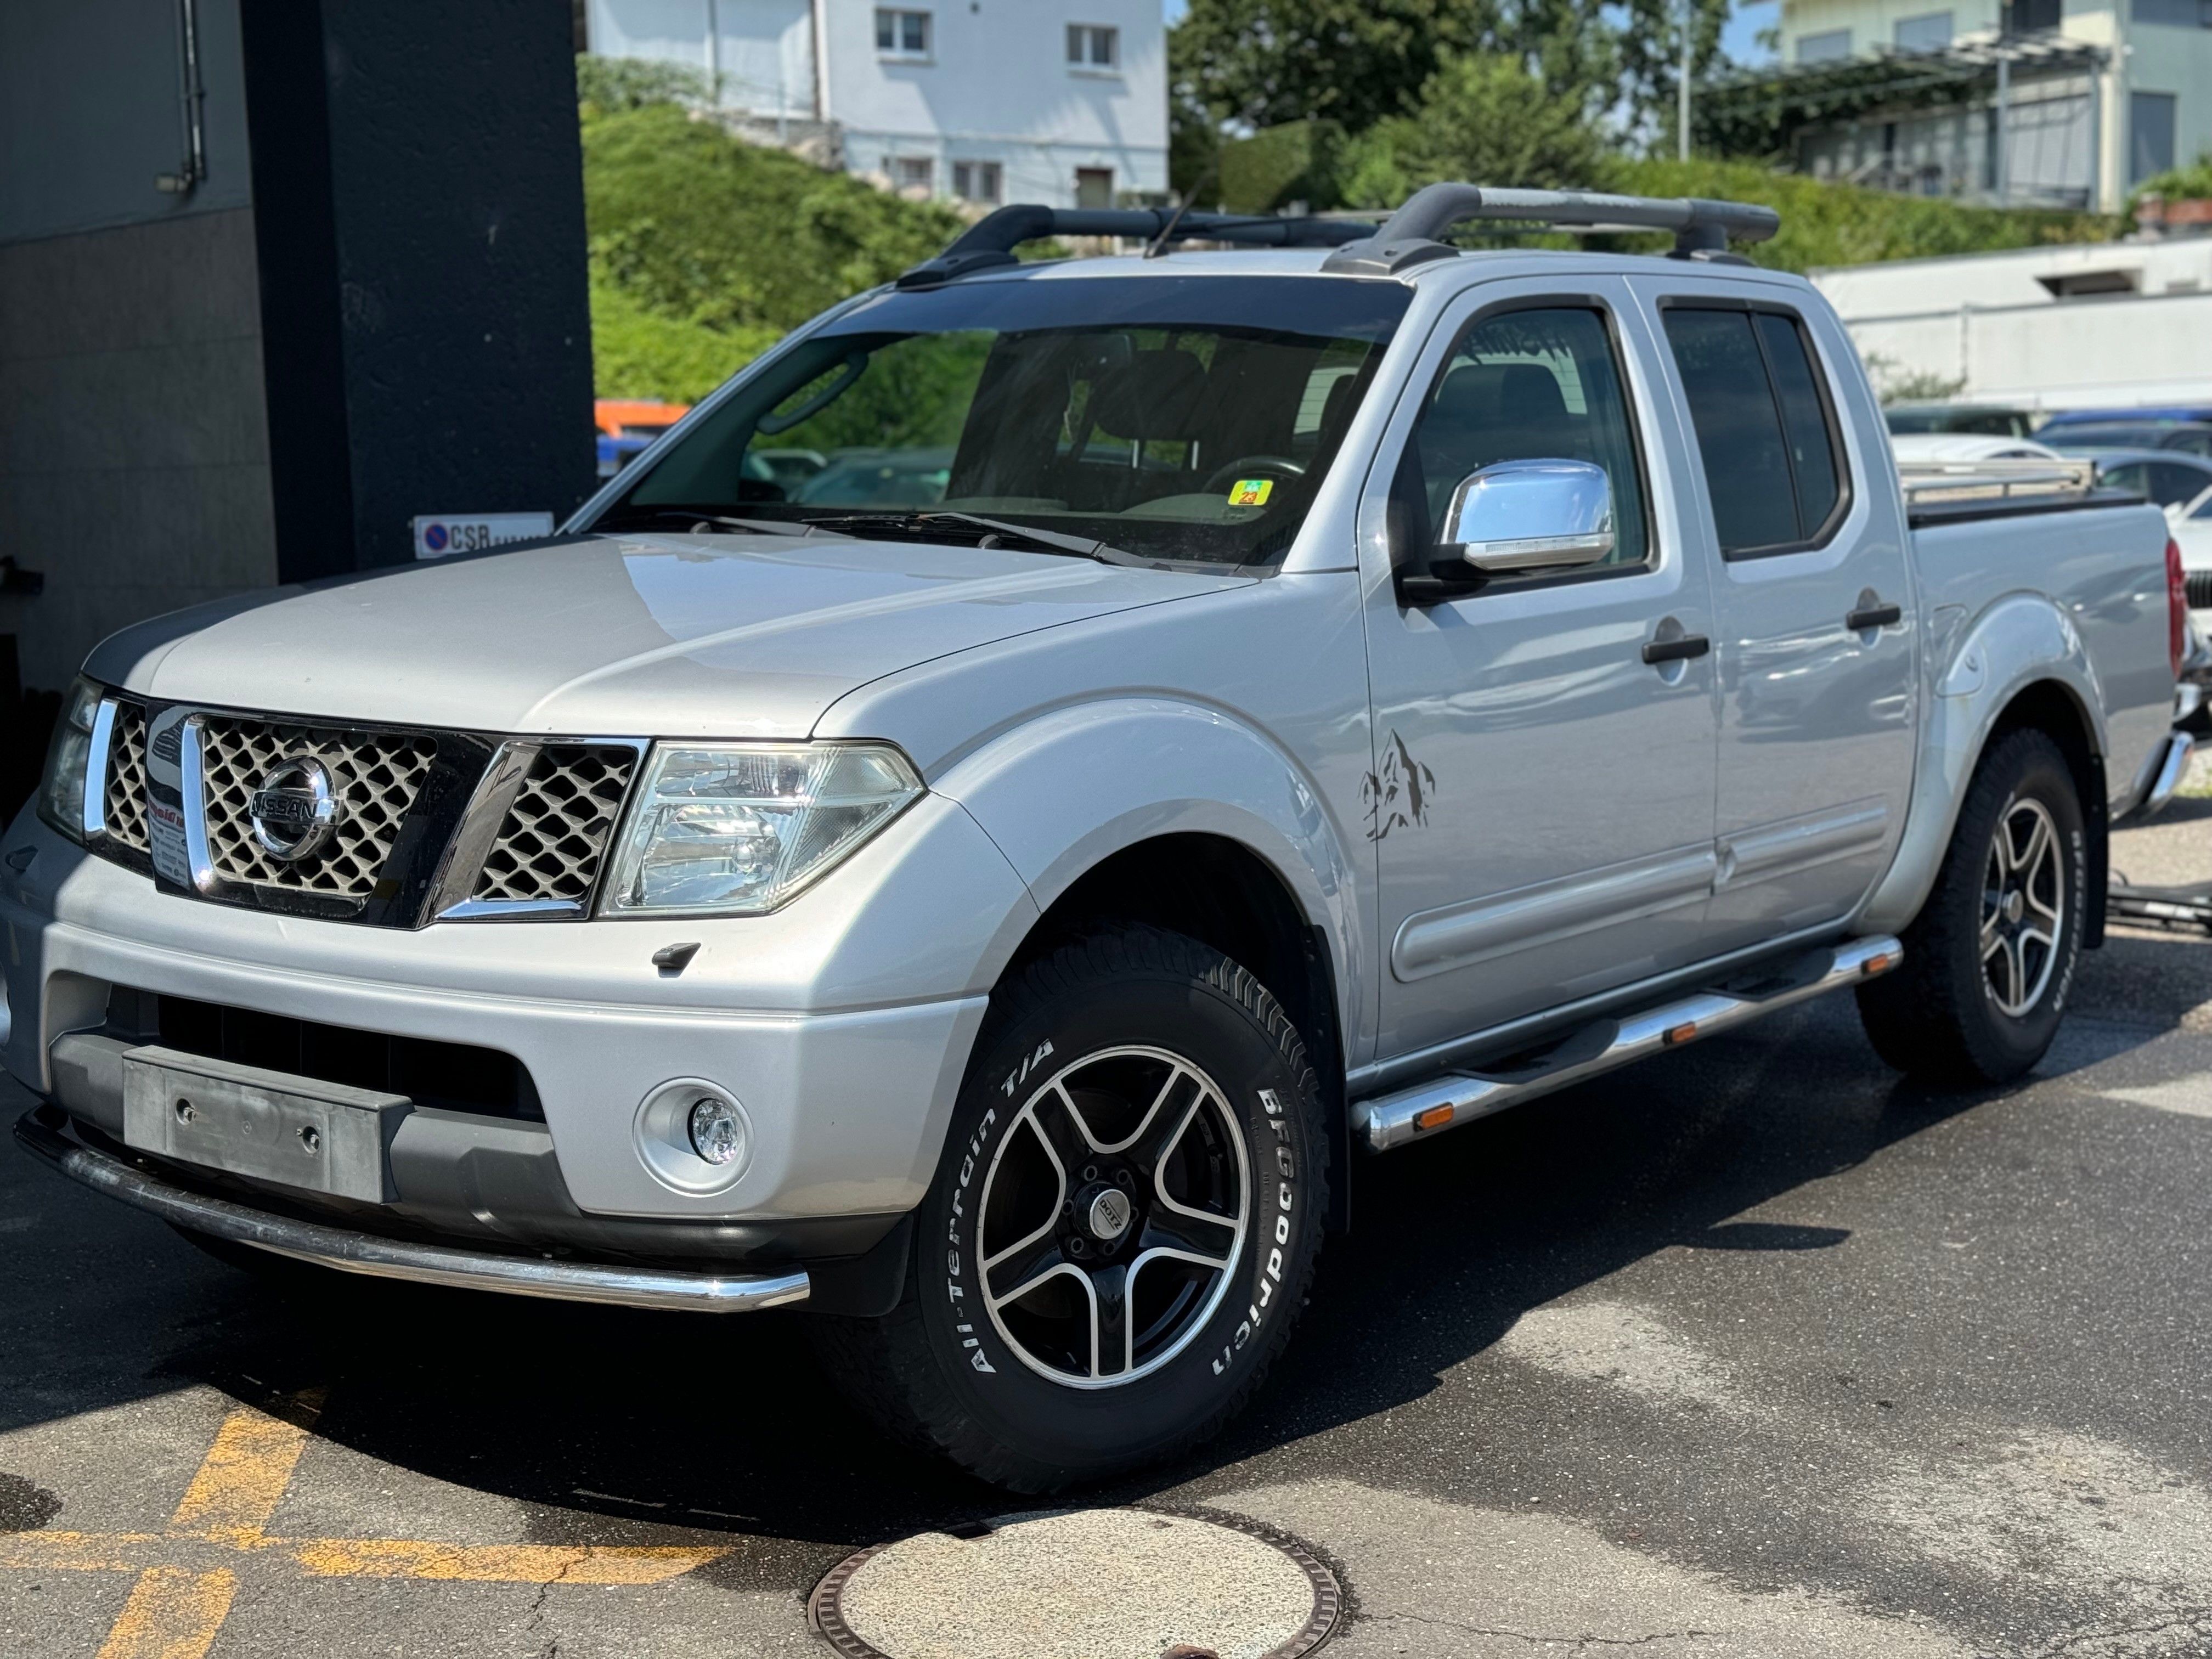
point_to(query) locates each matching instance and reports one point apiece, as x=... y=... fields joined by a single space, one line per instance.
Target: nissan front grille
x=387 y=826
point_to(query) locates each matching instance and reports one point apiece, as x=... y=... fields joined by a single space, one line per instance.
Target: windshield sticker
x=1251 y=492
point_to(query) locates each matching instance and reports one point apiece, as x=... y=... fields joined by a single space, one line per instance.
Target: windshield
x=1986 y=423
x=1172 y=417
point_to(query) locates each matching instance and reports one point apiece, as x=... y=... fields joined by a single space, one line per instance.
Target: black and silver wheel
x=1990 y=960
x=1109 y=1219
x=2023 y=907
x=1122 y=1226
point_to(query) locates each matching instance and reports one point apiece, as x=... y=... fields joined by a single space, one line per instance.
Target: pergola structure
x=1768 y=112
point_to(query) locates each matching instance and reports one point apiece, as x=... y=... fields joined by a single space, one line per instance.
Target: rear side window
x=1766 y=427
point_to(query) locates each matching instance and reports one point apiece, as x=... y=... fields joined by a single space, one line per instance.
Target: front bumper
x=842 y=1024
x=43 y=1133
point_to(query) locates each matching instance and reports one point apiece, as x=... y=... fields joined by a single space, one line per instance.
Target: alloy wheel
x=2023 y=907
x=1113 y=1212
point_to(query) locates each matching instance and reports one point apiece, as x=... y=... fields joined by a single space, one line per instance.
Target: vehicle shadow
x=610 y=1425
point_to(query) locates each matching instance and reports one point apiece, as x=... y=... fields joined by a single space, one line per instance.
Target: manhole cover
x=1079 y=1584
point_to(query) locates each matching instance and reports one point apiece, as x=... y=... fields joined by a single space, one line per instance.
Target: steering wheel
x=1222 y=477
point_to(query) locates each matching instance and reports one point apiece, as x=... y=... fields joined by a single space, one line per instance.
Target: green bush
x=704 y=248
x=2178 y=183
x=1835 y=224
x=1294 y=163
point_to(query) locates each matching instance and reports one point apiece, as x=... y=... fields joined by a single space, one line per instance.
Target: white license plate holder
x=296 y=1131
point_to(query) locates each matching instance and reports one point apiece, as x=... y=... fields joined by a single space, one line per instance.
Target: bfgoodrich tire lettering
x=1988 y=961
x=1140 y=1126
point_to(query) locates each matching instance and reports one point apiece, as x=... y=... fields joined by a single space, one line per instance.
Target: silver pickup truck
x=974 y=830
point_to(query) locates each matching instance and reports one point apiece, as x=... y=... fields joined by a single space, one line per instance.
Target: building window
x=2175 y=14
x=914 y=172
x=978 y=181
x=1930 y=32
x=1091 y=47
x=2150 y=135
x=902 y=34
x=1094 y=187
x=1822 y=48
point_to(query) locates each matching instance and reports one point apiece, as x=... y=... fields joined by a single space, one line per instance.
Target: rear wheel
x=1990 y=960
x=1122 y=1227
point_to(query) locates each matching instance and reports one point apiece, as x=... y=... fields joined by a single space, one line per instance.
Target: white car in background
x=1939 y=448
x=2192 y=532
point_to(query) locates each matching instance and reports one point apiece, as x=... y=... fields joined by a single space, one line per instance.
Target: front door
x=1814 y=591
x=1541 y=804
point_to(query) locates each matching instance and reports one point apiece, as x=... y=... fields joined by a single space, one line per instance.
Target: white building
x=1058 y=101
x=2103 y=324
x=2062 y=102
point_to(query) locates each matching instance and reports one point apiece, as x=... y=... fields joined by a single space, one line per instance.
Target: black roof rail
x=991 y=241
x=1411 y=236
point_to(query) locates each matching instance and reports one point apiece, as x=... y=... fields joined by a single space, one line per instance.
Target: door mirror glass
x=1531 y=516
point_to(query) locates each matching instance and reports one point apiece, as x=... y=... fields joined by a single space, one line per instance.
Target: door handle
x=1877 y=615
x=1680 y=649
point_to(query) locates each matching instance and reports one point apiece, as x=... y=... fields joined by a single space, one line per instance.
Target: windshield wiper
x=767 y=526
x=998 y=529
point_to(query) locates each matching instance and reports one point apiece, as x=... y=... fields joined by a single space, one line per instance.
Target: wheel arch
x=1181 y=817
x=2021 y=665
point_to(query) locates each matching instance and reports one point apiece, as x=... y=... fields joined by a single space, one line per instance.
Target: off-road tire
x=939 y=1374
x=1935 y=1017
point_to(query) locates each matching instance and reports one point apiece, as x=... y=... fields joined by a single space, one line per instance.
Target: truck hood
x=732 y=636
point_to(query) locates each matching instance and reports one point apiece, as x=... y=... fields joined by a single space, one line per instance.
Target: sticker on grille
x=557 y=832
x=378 y=774
x=126 y=776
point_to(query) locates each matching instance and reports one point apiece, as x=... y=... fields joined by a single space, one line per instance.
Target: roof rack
x=1411 y=236
x=991 y=239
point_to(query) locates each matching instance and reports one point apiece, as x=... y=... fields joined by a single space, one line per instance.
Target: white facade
x=2103 y=325
x=1058 y=101
x=2078 y=138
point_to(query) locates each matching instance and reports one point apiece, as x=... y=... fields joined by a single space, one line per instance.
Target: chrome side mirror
x=1531 y=516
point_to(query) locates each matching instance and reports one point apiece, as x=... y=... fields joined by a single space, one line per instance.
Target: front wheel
x=1121 y=1229
x=1990 y=960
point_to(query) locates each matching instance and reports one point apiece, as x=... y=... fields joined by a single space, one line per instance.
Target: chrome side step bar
x=1383 y=1121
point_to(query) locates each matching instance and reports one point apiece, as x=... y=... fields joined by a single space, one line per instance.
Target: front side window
x=1537 y=385
x=902 y=34
x=1175 y=417
x=1766 y=429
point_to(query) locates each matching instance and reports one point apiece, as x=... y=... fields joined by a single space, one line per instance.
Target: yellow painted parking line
x=79 y=1551
x=172 y=1614
x=496 y=1563
x=245 y=1473
x=178 y=1604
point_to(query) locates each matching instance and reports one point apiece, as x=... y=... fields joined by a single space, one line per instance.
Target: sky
x=1737 y=38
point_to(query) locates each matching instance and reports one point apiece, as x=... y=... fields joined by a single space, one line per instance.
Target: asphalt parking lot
x=1754 y=1351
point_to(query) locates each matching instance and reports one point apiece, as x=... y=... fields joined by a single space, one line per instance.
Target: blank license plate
x=321 y=1137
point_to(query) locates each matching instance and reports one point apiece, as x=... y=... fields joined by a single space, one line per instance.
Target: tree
x=1481 y=118
x=1242 y=65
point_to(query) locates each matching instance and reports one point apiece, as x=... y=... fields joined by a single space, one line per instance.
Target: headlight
x=738 y=828
x=61 y=791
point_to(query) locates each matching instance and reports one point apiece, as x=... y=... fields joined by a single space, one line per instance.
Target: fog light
x=718 y=1133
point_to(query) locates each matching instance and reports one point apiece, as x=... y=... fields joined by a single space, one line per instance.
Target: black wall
x=419 y=210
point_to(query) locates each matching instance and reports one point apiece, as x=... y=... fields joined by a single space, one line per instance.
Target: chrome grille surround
x=379 y=774
x=125 y=786
x=555 y=834
x=436 y=826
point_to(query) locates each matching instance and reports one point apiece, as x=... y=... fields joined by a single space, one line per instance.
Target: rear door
x=1541 y=804
x=1814 y=605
